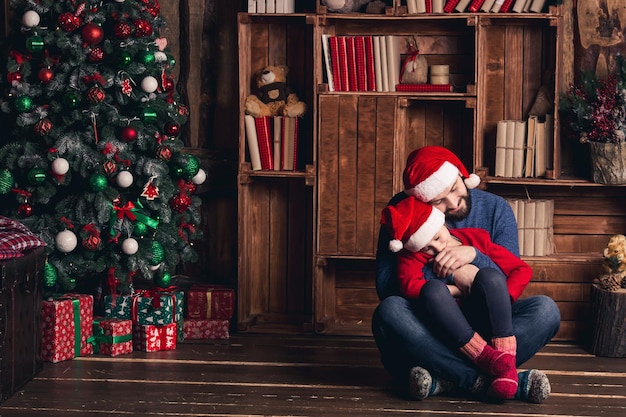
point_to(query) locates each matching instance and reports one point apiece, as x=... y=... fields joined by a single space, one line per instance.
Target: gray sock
x=533 y=386
x=423 y=385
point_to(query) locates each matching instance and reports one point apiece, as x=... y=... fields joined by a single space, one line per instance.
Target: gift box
x=206 y=329
x=151 y=338
x=112 y=337
x=148 y=307
x=67 y=325
x=210 y=302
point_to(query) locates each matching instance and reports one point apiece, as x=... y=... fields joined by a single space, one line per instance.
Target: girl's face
x=438 y=242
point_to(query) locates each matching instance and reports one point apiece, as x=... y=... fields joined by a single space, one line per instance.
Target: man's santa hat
x=431 y=170
x=411 y=224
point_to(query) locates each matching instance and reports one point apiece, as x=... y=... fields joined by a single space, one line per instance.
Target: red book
x=353 y=82
x=506 y=6
x=343 y=63
x=429 y=6
x=450 y=5
x=369 y=62
x=266 y=140
x=475 y=6
x=333 y=42
x=424 y=88
x=361 y=67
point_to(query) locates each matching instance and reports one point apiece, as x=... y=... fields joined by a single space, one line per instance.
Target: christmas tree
x=91 y=158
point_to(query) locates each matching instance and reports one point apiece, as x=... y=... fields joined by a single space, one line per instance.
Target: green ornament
x=23 y=104
x=35 y=43
x=171 y=61
x=147 y=58
x=98 y=182
x=149 y=115
x=6 y=181
x=71 y=100
x=158 y=253
x=140 y=229
x=190 y=167
x=36 y=176
x=125 y=59
x=50 y=275
x=164 y=280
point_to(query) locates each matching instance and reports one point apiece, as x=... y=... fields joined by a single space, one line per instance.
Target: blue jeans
x=404 y=341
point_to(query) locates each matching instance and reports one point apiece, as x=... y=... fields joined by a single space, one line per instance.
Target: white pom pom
x=30 y=19
x=130 y=246
x=149 y=84
x=66 y=241
x=472 y=181
x=124 y=179
x=60 y=166
x=395 y=245
x=200 y=177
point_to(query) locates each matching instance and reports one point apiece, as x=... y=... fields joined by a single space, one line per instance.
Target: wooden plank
x=347 y=155
x=513 y=87
x=367 y=219
x=532 y=67
x=589 y=224
x=386 y=172
x=278 y=245
x=328 y=171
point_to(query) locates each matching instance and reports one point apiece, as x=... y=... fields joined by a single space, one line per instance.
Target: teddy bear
x=614 y=263
x=349 y=6
x=274 y=97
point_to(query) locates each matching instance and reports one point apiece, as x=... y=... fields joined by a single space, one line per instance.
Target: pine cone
x=610 y=282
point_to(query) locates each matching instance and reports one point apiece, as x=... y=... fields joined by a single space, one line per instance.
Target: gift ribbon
x=131 y=211
x=77 y=328
x=209 y=305
x=99 y=337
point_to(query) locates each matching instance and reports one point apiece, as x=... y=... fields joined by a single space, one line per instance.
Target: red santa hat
x=432 y=170
x=411 y=224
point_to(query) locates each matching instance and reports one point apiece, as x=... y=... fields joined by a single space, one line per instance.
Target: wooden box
x=20 y=321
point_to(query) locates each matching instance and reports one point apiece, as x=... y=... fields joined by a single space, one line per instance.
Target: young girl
x=467 y=317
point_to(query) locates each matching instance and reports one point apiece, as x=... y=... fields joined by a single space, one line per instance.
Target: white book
x=253 y=142
x=537 y=6
x=462 y=5
x=384 y=63
x=526 y=8
x=518 y=148
x=270 y=6
x=420 y=6
x=549 y=138
x=280 y=6
x=411 y=6
x=500 y=148
x=541 y=231
x=529 y=228
x=487 y=5
x=393 y=61
x=260 y=6
x=510 y=144
x=329 y=69
x=251 y=6
x=378 y=68
x=438 y=6
x=278 y=126
x=496 y=6
x=290 y=6
x=518 y=6
x=529 y=169
x=540 y=149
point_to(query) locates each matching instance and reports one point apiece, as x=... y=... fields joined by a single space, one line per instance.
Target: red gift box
x=151 y=338
x=112 y=337
x=205 y=329
x=210 y=302
x=67 y=325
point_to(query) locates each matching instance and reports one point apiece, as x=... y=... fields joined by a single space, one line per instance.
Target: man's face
x=455 y=202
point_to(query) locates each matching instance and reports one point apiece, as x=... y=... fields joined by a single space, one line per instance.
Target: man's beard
x=461 y=214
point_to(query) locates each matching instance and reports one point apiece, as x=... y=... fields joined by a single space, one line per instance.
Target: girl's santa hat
x=411 y=224
x=432 y=170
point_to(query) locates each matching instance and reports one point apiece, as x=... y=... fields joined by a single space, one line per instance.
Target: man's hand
x=446 y=262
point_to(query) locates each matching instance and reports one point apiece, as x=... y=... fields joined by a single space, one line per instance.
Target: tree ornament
x=140 y=229
x=147 y=58
x=124 y=59
x=200 y=177
x=35 y=43
x=164 y=153
x=190 y=187
x=66 y=241
x=149 y=84
x=160 y=56
x=142 y=28
x=92 y=34
x=124 y=179
x=36 y=176
x=45 y=75
x=23 y=104
x=43 y=127
x=130 y=246
x=171 y=62
x=163 y=280
x=168 y=84
x=128 y=134
x=189 y=164
x=150 y=190
x=25 y=210
x=14 y=77
x=96 y=95
x=183 y=110
x=172 y=128
x=69 y=22
x=149 y=115
x=122 y=30
x=92 y=242
x=96 y=54
x=49 y=275
x=180 y=202
x=98 y=182
x=158 y=253
x=30 y=19
x=60 y=166
x=6 y=181
x=109 y=167
x=71 y=100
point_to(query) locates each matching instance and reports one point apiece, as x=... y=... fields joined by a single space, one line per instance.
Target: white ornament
x=130 y=246
x=60 y=166
x=160 y=56
x=124 y=179
x=66 y=241
x=200 y=177
x=155 y=267
x=120 y=1
x=149 y=84
x=30 y=19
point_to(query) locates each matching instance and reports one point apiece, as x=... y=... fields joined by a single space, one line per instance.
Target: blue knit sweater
x=489 y=212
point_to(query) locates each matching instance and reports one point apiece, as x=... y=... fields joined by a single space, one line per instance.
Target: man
x=409 y=349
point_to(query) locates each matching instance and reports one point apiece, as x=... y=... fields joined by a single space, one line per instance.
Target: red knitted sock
x=475 y=347
x=495 y=363
x=506 y=344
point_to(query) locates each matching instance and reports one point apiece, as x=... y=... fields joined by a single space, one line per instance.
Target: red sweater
x=518 y=273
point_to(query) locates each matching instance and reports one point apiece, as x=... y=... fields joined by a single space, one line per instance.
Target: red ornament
x=25 y=210
x=43 y=127
x=190 y=187
x=122 y=30
x=172 y=129
x=168 y=84
x=183 y=110
x=129 y=134
x=180 y=202
x=92 y=242
x=92 y=34
x=164 y=153
x=14 y=77
x=96 y=54
x=45 y=75
x=142 y=28
x=69 y=22
x=109 y=167
x=96 y=95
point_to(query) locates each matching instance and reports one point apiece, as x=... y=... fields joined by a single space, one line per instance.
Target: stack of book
x=271 y=6
x=535 y=226
x=475 y=6
x=524 y=147
x=272 y=142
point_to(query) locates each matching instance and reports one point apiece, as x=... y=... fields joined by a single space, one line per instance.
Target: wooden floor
x=277 y=375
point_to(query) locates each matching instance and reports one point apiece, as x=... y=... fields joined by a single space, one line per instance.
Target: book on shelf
x=529 y=168
x=518 y=6
x=514 y=204
x=361 y=66
x=327 y=62
x=437 y=6
x=333 y=46
x=393 y=60
x=342 y=59
x=475 y=6
x=352 y=65
x=487 y=5
x=540 y=148
x=252 y=142
x=506 y=6
x=369 y=62
x=535 y=225
x=510 y=144
x=265 y=140
x=384 y=63
x=280 y=6
x=537 y=6
x=450 y=6
x=260 y=6
x=378 y=69
x=497 y=5
x=424 y=88
x=549 y=136
x=529 y=228
x=251 y=6
x=518 y=149
x=411 y=6
x=289 y=151
x=461 y=6
x=278 y=134
x=270 y=6
x=500 y=162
